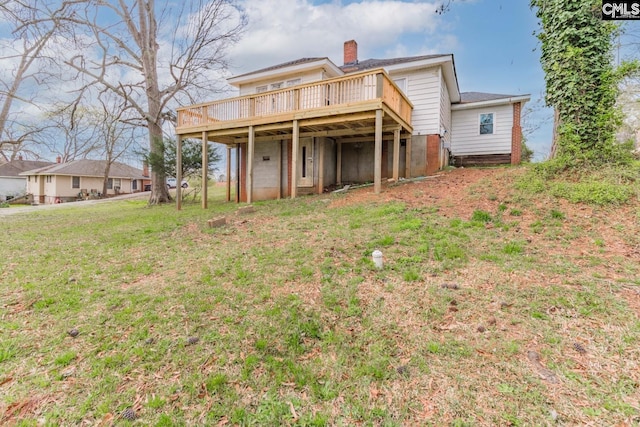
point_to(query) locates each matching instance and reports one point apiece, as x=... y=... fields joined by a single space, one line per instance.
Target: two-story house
x=307 y=125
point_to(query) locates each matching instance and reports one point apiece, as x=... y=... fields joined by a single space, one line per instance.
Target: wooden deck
x=339 y=106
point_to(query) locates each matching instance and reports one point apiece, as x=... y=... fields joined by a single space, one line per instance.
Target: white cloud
x=284 y=30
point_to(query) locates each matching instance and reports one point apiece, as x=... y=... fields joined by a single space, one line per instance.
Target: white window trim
x=480 y=123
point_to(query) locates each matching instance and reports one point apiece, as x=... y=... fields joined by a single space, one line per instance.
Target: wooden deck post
x=294 y=159
x=320 y=165
x=205 y=170
x=377 y=160
x=228 y=173
x=279 y=170
x=250 y=149
x=407 y=167
x=396 y=155
x=178 y=172
x=238 y=189
x=339 y=164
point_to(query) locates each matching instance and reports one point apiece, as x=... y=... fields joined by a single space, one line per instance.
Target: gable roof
x=15 y=167
x=482 y=99
x=368 y=64
x=287 y=68
x=300 y=61
x=84 y=167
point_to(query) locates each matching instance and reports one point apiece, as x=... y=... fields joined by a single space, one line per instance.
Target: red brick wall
x=516 y=135
x=433 y=154
x=350 y=52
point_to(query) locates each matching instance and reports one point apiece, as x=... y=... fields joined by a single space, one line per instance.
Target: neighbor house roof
x=15 y=167
x=93 y=168
x=482 y=99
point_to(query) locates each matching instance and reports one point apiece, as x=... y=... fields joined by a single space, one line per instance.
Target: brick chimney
x=145 y=169
x=58 y=159
x=350 y=52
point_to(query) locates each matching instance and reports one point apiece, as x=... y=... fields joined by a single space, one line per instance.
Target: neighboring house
x=308 y=125
x=11 y=183
x=78 y=179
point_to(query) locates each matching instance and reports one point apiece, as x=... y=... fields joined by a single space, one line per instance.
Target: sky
x=493 y=42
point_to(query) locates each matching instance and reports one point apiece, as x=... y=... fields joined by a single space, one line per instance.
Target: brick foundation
x=433 y=154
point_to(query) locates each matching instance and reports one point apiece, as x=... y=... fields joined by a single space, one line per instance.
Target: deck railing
x=341 y=91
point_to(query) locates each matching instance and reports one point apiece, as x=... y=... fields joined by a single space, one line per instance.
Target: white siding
x=465 y=133
x=445 y=111
x=423 y=90
x=308 y=77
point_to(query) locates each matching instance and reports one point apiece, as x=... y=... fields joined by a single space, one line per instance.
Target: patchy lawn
x=495 y=306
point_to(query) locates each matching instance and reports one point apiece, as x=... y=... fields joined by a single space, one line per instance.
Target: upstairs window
x=275 y=86
x=261 y=89
x=486 y=123
x=293 y=82
x=402 y=84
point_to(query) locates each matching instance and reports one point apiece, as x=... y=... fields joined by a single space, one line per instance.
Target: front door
x=305 y=162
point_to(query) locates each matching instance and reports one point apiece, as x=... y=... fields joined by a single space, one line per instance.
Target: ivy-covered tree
x=581 y=80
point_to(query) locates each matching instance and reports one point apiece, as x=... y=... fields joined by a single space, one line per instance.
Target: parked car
x=171 y=183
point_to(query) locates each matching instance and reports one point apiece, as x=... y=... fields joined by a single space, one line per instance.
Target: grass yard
x=500 y=303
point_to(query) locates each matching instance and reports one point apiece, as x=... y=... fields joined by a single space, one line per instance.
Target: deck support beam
x=396 y=155
x=339 y=163
x=179 y=172
x=228 y=173
x=294 y=159
x=377 y=162
x=238 y=173
x=320 y=165
x=280 y=151
x=205 y=171
x=250 y=154
x=407 y=167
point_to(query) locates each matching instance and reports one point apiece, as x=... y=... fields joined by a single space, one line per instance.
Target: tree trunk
x=554 y=140
x=106 y=179
x=159 y=191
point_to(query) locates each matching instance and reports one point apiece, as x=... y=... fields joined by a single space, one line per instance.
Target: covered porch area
x=306 y=138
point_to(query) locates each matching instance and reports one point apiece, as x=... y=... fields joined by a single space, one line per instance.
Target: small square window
x=486 y=124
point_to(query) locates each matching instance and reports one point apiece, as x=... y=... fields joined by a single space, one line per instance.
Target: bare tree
x=114 y=130
x=32 y=29
x=148 y=56
x=71 y=132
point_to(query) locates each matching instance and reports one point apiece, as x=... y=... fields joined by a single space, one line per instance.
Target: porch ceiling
x=352 y=127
